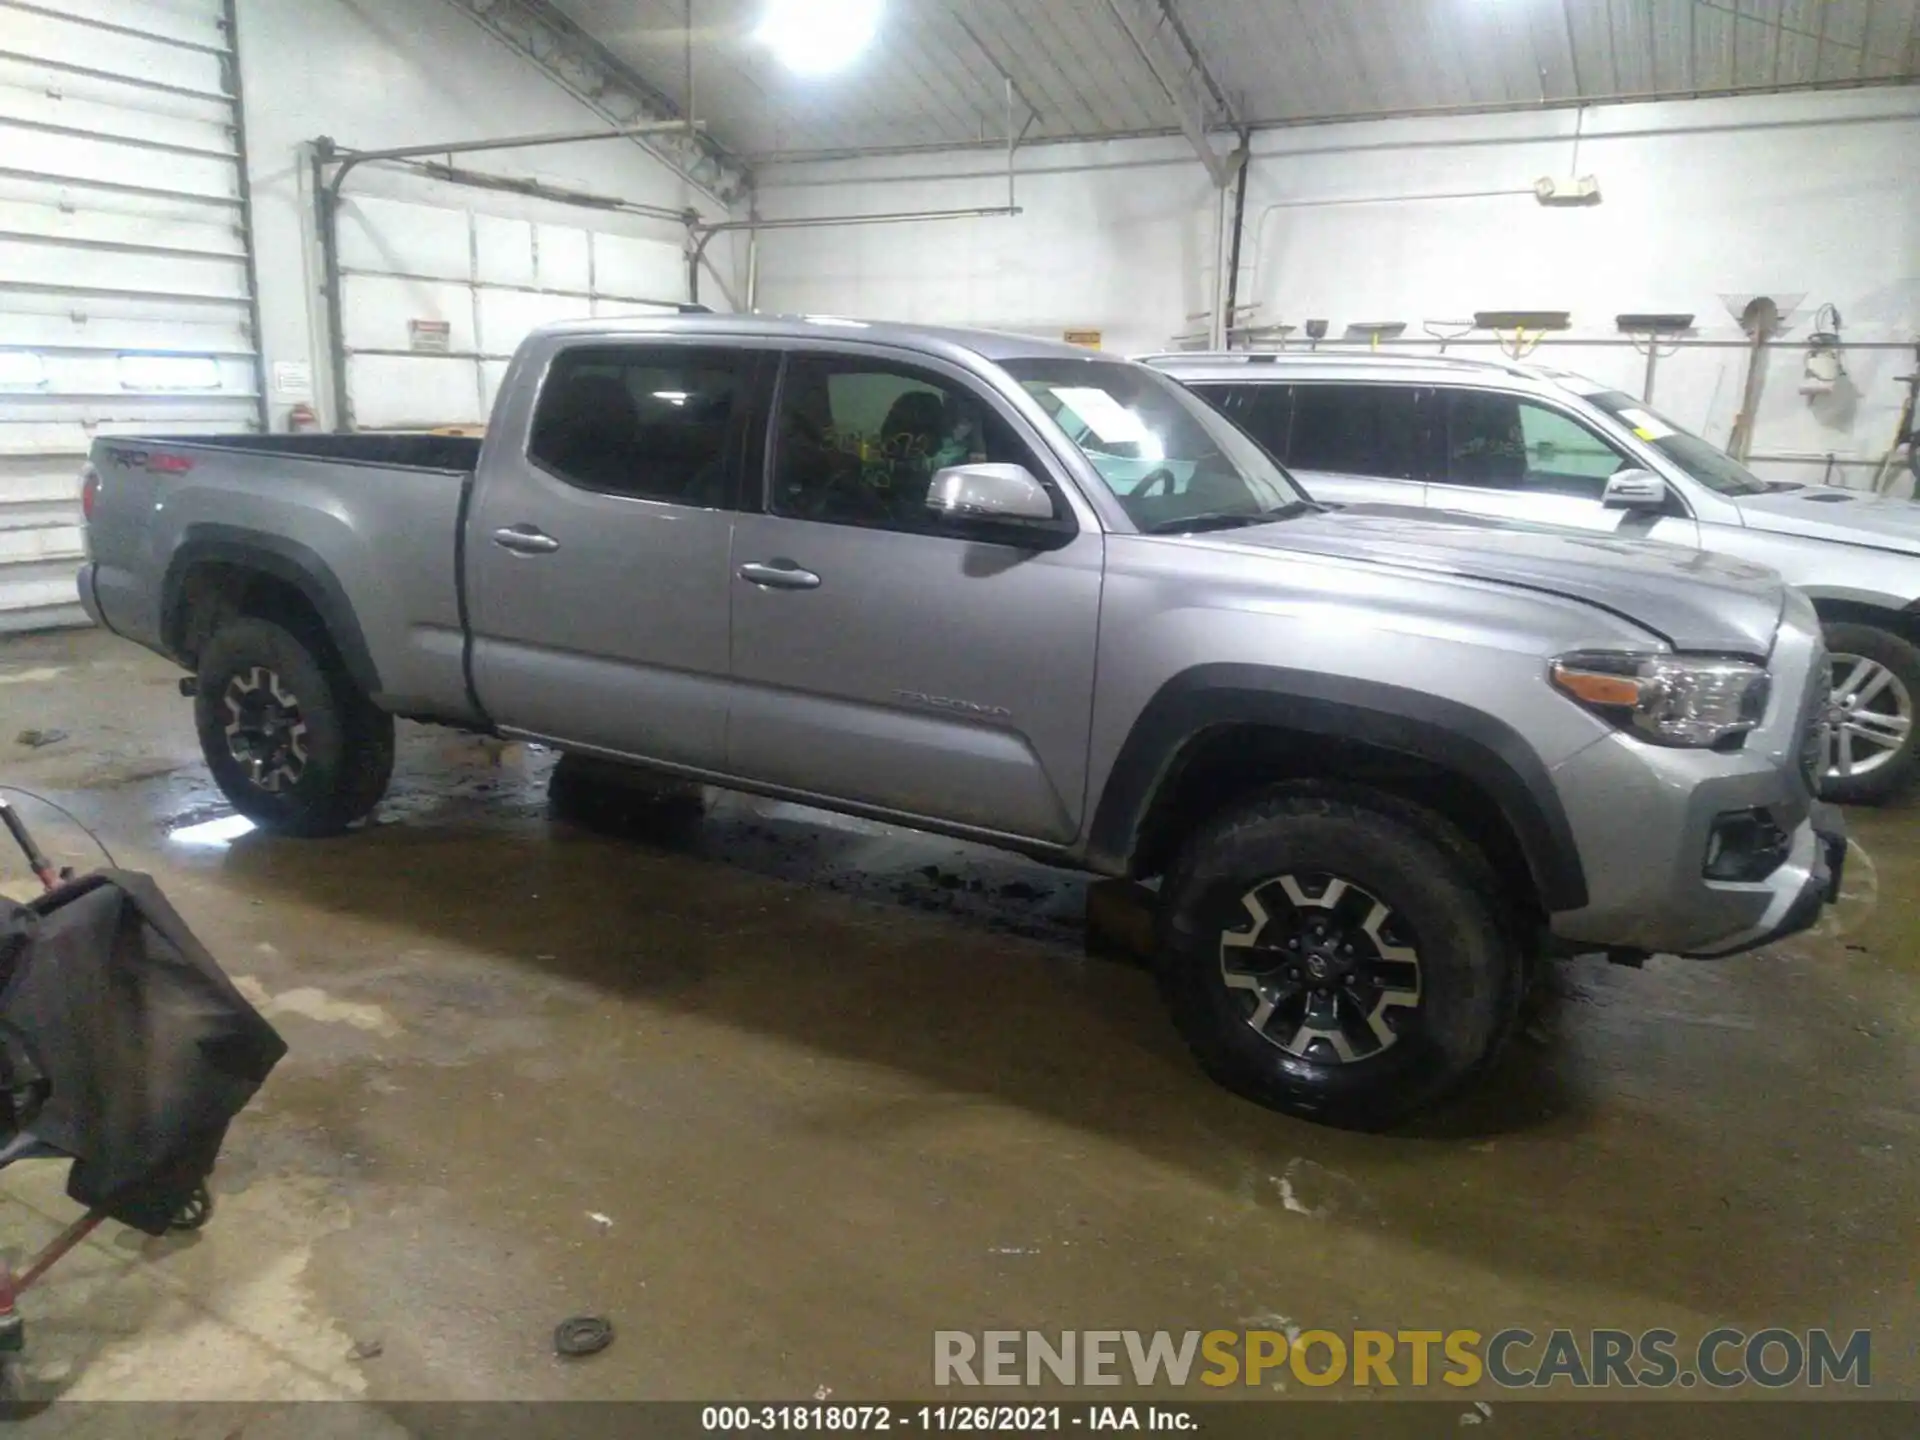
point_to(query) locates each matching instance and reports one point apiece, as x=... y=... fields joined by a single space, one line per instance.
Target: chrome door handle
x=782 y=575
x=525 y=540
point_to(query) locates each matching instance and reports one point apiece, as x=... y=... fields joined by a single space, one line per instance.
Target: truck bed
x=367 y=526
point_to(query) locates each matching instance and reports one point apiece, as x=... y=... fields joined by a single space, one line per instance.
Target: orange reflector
x=1596 y=688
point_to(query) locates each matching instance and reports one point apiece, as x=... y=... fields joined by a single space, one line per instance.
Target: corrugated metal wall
x=125 y=294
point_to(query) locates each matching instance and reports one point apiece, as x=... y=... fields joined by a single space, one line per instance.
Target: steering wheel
x=1163 y=479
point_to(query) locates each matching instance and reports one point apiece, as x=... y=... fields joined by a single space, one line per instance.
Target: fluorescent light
x=169 y=372
x=22 y=370
x=673 y=397
x=818 y=37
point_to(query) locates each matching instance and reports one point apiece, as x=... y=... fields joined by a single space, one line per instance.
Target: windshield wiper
x=1232 y=519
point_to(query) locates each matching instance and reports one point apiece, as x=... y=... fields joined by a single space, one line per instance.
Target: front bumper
x=1805 y=885
x=1655 y=898
x=1642 y=817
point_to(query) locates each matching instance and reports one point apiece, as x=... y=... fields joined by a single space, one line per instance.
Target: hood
x=1693 y=600
x=1822 y=512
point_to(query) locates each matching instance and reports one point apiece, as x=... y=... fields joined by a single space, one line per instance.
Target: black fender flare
x=1472 y=744
x=285 y=560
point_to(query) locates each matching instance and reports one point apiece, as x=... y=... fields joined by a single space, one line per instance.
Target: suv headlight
x=1691 y=701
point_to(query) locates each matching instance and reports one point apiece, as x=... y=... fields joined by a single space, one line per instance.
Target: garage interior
x=783 y=1093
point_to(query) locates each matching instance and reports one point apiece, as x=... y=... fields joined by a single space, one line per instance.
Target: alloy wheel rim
x=266 y=732
x=1324 y=969
x=1869 y=717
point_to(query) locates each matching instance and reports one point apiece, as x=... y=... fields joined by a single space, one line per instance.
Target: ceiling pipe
x=898 y=217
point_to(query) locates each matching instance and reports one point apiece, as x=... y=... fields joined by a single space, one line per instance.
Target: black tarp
x=136 y=1045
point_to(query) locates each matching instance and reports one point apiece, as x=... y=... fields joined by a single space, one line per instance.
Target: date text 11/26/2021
x=1015 y=1419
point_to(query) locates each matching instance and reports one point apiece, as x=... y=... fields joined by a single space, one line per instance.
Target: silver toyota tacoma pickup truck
x=1373 y=766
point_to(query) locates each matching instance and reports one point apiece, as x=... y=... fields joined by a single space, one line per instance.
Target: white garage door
x=434 y=299
x=125 y=297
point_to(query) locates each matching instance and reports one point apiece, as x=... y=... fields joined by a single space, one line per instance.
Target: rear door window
x=647 y=422
x=1264 y=411
x=1371 y=430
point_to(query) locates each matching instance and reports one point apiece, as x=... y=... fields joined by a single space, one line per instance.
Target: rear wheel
x=1341 y=958
x=290 y=739
x=1874 y=680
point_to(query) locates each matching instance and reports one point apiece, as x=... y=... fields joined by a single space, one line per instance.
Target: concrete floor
x=783 y=1093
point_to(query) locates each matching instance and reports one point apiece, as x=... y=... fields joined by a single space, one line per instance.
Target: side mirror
x=1634 y=489
x=989 y=492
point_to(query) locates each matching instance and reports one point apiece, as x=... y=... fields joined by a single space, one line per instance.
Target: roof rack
x=1368 y=356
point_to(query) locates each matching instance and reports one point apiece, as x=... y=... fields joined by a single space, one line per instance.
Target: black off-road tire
x=1888 y=779
x=348 y=741
x=1471 y=974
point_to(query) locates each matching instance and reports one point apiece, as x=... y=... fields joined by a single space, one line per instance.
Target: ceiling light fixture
x=818 y=37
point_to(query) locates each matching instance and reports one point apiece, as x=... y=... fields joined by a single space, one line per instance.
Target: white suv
x=1524 y=443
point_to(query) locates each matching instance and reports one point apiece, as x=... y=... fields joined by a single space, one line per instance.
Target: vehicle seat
x=708 y=419
x=809 y=462
x=1487 y=446
x=589 y=436
x=916 y=425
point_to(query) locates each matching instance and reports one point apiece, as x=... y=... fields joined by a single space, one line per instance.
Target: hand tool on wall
x=1647 y=331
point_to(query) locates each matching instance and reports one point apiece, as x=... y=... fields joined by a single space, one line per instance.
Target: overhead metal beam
x=1033 y=111
x=605 y=84
x=1198 y=103
x=1202 y=73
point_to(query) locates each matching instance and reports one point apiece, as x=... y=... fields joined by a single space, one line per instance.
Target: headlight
x=1667 y=699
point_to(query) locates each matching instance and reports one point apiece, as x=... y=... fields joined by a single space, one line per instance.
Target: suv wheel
x=1875 y=680
x=289 y=737
x=1340 y=957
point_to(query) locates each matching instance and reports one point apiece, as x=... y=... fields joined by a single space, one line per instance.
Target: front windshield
x=1712 y=467
x=1168 y=457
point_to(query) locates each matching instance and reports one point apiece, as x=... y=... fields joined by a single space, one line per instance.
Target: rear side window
x=1264 y=411
x=652 y=422
x=1356 y=430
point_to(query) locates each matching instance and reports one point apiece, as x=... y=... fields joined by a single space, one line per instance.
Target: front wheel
x=1340 y=958
x=1874 y=680
x=290 y=739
